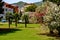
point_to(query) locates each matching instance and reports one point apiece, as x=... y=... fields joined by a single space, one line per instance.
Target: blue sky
x=28 y=1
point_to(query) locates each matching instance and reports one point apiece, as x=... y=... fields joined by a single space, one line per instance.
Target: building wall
x=6 y=9
x=9 y=8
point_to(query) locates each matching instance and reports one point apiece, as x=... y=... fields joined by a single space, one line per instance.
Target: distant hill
x=21 y=3
x=38 y=3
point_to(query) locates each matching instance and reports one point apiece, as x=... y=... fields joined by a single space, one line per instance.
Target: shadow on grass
x=1 y=24
x=50 y=35
x=57 y=37
x=4 y=31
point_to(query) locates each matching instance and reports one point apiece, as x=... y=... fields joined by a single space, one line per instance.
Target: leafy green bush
x=30 y=8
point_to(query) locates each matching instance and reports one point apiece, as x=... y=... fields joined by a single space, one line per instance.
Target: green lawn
x=29 y=33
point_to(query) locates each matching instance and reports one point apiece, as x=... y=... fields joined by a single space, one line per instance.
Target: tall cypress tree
x=1 y=7
x=0 y=0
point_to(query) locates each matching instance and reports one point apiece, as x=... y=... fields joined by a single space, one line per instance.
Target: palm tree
x=16 y=19
x=25 y=18
x=9 y=17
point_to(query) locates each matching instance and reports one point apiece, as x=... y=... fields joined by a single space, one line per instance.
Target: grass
x=19 y=25
x=29 y=33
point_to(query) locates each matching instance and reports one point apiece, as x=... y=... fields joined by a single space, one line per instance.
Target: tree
x=9 y=17
x=40 y=12
x=54 y=1
x=19 y=15
x=0 y=0
x=16 y=19
x=1 y=7
x=51 y=17
x=1 y=18
x=30 y=8
x=25 y=18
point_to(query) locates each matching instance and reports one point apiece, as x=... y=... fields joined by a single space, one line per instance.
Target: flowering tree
x=54 y=1
x=52 y=17
x=40 y=12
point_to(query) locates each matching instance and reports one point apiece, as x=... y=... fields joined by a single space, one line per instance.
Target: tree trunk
x=25 y=25
x=51 y=32
x=58 y=29
x=16 y=23
x=59 y=33
x=9 y=22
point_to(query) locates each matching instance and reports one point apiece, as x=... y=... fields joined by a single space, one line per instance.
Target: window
x=6 y=9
